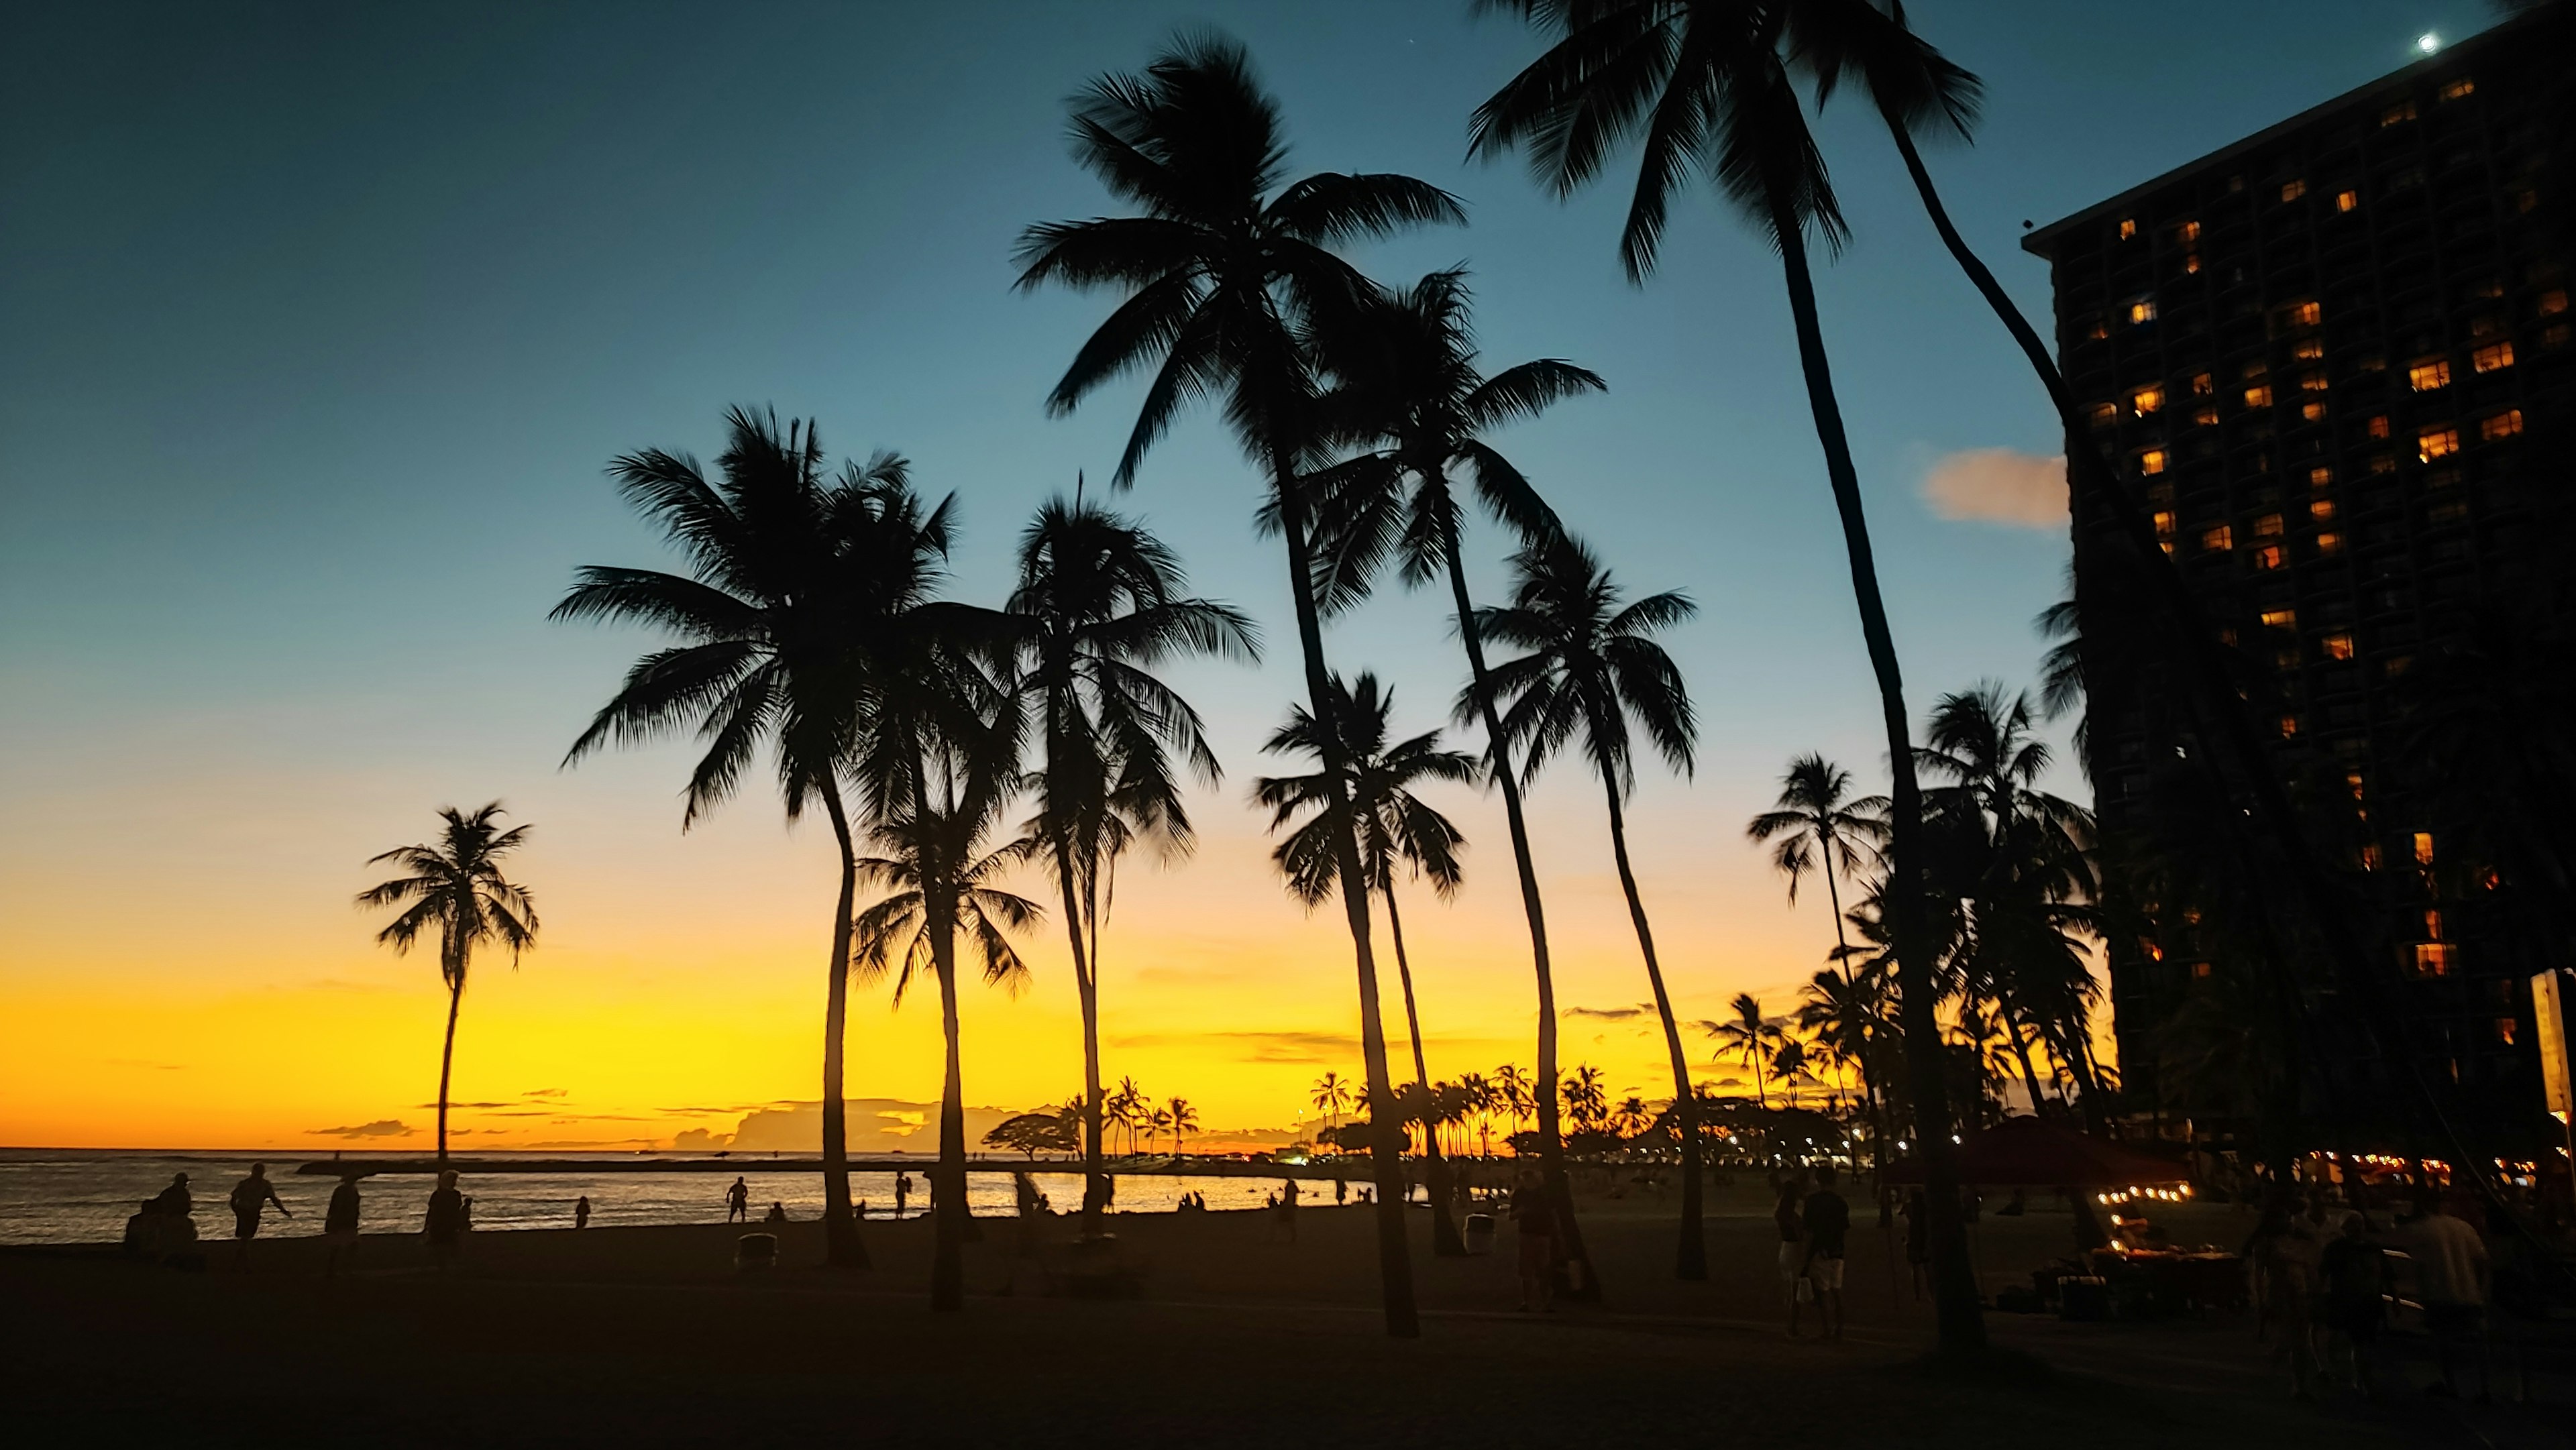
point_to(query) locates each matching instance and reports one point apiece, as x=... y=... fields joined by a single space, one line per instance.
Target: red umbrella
x=2036 y=1154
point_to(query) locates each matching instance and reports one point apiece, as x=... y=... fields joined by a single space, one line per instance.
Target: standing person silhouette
x=1827 y=1222
x=1534 y=1219
x=443 y=1227
x=1288 y=1208
x=902 y=1191
x=738 y=1202
x=581 y=1211
x=340 y=1223
x=249 y=1198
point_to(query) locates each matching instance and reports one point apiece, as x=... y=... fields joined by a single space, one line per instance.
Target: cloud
x=543 y=1093
x=1607 y=1014
x=1275 y=1047
x=1998 y=486
x=380 y=1128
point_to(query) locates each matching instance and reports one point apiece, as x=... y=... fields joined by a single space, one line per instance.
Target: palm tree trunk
x=2021 y=1055
x=842 y=1248
x=1962 y=1326
x=1086 y=987
x=1690 y=1258
x=947 y=1261
x=1386 y=1137
x=1498 y=758
x=1445 y=1242
x=447 y=1059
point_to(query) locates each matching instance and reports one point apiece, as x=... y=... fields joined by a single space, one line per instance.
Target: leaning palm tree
x=1751 y=1037
x=803 y=588
x=1396 y=827
x=1590 y=670
x=1227 y=265
x=1409 y=389
x=454 y=885
x=1710 y=88
x=1102 y=602
x=940 y=877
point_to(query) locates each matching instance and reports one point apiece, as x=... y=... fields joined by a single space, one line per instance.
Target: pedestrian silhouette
x=249 y=1198
x=738 y=1202
x=340 y=1223
x=581 y=1211
x=443 y=1227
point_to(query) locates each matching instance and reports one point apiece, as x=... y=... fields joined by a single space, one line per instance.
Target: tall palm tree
x=1102 y=602
x=1590 y=670
x=1223 y=270
x=803 y=589
x=939 y=876
x=1710 y=88
x=1127 y=1105
x=1751 y=1037
x=1185 y=1119
x=1480 y=1101
x=1409 y=389
x=1818 y=829
x=455 y=886
x=1396 y=827
x=1512 y=1089
x=1332 y=1097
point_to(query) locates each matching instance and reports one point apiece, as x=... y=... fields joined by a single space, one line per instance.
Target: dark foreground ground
x=645 y=1337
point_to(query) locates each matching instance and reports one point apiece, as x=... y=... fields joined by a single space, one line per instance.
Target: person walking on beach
x=340 y=1224
x=1534 y=1220
x=738 y=1202
x=1793 y=1249
x=249 y=1198
x=443 y=1228
x=581 y=1211
x=2451 y=1277
x=1827 y=1222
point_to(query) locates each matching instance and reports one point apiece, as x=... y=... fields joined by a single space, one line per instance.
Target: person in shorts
x=1785 y=1215
x=340 y=1224
x=1827 y=1221
x=1534 y=1220
x=249 y=1198
x=2451 y=1276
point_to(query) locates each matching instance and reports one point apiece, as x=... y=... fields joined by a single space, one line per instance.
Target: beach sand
x=647 y=1337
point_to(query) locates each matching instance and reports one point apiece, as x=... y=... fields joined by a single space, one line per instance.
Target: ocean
x=84 y=1195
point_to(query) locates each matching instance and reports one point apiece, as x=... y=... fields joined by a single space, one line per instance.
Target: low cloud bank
x=1998 y=486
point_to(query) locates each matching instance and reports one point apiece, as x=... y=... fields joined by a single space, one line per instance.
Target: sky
x=318 y=325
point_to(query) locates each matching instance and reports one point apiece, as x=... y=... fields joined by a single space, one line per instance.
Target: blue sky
x=318 y=323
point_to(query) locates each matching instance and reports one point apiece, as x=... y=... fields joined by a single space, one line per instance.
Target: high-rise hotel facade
x=2335 y=362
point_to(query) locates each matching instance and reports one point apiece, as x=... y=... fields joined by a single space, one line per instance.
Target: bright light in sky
x=2428 y=42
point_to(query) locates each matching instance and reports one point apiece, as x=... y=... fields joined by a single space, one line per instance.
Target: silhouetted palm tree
x=1819 y=830
x=1751 y=1037
x=1185 y=1119
x=804 y=593
x=1332 y=1097
x=1396 y=827
x=1710 y=88
x=940 y=877
x=454 y=885
x=1591 y=668
x=1409 y=388
x=1102 y=602
x=1223 y=269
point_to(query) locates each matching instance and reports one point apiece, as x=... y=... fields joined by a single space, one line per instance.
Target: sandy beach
x=648 y=1336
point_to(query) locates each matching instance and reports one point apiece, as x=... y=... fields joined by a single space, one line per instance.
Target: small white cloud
x=1998 y=486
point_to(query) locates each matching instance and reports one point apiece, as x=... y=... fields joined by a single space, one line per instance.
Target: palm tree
x=1409 y=388
x=803 y=590
x=1789 y=1066
x=1818 y=829
x=1395 y=826
x=1711 y=90
x=1750 y=1037
x=1103 y=602
x=1591 y=668
x=1585 y=1102
x=1512 y=1087
x=1184 y=1119
x=939 y=877
x=1480 y=1101
x=1332 y=1097
x=1630 y=1117
x=455 y=885
x=1223 y=270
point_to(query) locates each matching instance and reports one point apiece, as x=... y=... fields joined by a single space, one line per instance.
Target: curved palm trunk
x=842 y=1248
x=1962 y=1326
x=1551 y=1138
x=1435 y=1173
x=1690 y=1258
x=1087 y=990
x=1386 y=1128
x=1868 y=1080
x=947 y=1260
x=446 y=1060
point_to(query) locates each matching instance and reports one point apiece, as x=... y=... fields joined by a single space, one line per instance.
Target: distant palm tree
x=1512 y=1089
x=1222 y=272
x=1585 y=1102
x=1630 y=1117
x=1750 y=1037
x=804 y=593
x=1818 y=829
x=1102 y=602
x=1592 y=667
x=1710 y=88
x=454 y=885
x=1789 y=1066
x=1395 y=827
x=940 y=877
x=1332 y=1097
x=1481 y=1099
x=1184 y=1120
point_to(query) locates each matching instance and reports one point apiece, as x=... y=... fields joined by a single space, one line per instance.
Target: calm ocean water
x=67 y=1195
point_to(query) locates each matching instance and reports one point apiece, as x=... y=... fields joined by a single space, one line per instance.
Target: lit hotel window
x=2337 y=647
x=2268 y=527
x=2191 y=263
x=2321 y=509
x=2147 y=400
x=2202 y=386
x=2292 y=191
x=2502 y=425
x=2458 y=88
x=2205 y=417
x=2433 y=958
x=2142 y=310
x=2164 y=523
x=2152 y=461
x=2289 y=727
x=2309 y=350
x=2504 y=1030
x=2377 y=427
x=2258 y=397
x=2424 y=377
x=2128 y=228
x=2280 y=619
x=2305 y=314
x=2489 y=359
x=2435 y=443
x=2269 y=557
x=2423 y=848
x=2329 y=545
x=2553 y=302
x=2187 y=233
x=2312 y=381
x=2213 y=540
x=2103 y=415
x=2320 y=476
x=2313 y=412
x=2347 y=200
x=2402 y=111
